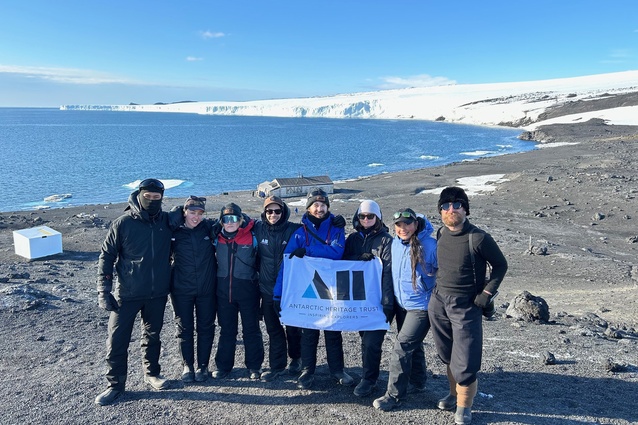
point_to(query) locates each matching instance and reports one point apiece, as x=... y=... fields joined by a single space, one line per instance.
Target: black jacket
x=138 y=248
x=194 y=266
x=272 y=241
x=377 y=242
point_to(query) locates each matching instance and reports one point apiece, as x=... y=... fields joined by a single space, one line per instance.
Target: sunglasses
x=366 y=216
x=227 y=219
x=197 y=199
x=276 y=212
x=456 y=205
x=405 y=214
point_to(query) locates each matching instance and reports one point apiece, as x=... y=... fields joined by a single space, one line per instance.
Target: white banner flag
x=319 y=293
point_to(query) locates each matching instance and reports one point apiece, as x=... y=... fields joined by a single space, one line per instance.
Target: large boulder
x=528 y=307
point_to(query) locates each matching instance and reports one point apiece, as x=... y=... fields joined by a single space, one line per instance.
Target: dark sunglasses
x=404 y=214
x=197 y=199
x=276 y=212
x=230 y=219
x=456 y=205
x=366 y=216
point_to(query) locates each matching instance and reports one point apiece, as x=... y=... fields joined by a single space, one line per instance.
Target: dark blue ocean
x=98 y=157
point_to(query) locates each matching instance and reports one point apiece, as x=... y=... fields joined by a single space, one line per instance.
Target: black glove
x=389 y=314
x=338 y=221
x=277 y=306
x=420 y=224
x=489 y=311
x=366 y=256
x=299 y=252
x=107 y=301
x=483 y=299
x=216 y=228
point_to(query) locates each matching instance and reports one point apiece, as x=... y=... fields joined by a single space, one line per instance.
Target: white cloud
x=423 y=80
x=209 y=34
x=64 y=75
x=193 y=59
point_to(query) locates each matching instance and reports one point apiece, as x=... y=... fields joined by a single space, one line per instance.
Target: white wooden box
x=37 y=242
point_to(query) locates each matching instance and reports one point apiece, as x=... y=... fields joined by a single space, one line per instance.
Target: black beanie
x=452 y=194
x=230 y=209
x=317 y=195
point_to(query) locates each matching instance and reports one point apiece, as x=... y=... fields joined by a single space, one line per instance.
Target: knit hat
x=195 y=203
x=273 y=200
x=230 y=209
x=404 y=215
x=452 y=194
x=370 y=207
x=317 y=195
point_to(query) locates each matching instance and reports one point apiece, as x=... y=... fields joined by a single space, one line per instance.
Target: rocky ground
x=565 y=218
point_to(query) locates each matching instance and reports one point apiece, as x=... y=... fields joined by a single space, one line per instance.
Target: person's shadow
x=531 y=398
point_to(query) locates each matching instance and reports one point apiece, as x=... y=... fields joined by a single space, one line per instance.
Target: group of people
x=230 y=267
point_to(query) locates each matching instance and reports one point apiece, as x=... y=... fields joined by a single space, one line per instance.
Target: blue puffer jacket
x=404 y=293
x=328 y=243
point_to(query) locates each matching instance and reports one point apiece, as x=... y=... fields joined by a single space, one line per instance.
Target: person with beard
x=193 y=288
x=237 y=293
x=371 y=239
x=137 y=246
x=273 y=232
x=461 y=295
x=414 y=267
x=318 y=236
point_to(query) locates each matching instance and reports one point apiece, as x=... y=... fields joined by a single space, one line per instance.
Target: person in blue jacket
x=414 y=266
x=318 y=236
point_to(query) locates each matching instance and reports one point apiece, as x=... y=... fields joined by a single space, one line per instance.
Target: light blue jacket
x=404 y=293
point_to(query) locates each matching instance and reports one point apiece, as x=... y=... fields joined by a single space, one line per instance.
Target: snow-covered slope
x=518 y=104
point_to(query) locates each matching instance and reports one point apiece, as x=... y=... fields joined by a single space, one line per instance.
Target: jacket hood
x=134 y=208
x=285 y=216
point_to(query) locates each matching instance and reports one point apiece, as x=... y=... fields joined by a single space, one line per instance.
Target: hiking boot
x=221 y=374
x=305 y=381
x=294 y=367
x=386 y=403
x=343 y=378
x=108 y=396
x=463 y=415
x=202 y=374
x=271 y=375
x=416 y=388
x=188 y=375
x=158 y=382
x=447 y=403
x=254 y=373
x=364 y=388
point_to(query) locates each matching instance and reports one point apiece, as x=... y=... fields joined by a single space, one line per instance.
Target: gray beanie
x=370 y=207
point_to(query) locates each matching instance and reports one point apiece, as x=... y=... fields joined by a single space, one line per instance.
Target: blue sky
x=117 y=52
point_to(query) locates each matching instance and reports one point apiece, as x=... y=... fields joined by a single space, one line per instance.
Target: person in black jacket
x=272 y=233
x=138 y=247
x=370 y=239
x=193 y=286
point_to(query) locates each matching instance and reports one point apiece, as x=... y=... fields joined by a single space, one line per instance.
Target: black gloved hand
x=483 y=299
x=338 y=221
x=366 y=256
x=489 y=311
x=389 y=314
x=277 y=306
x=216 y=228
x=299 y=252
x=420 y=224
x=107 y=301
